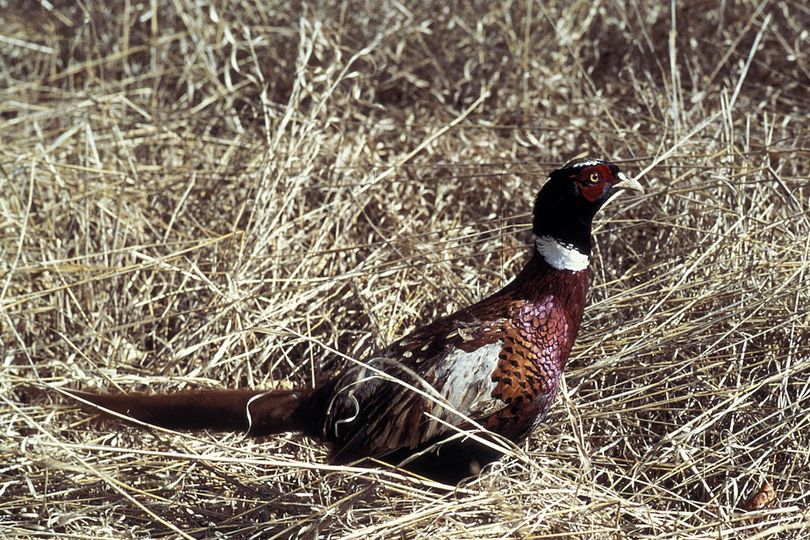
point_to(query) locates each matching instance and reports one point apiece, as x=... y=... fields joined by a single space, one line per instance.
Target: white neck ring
x=560 y=255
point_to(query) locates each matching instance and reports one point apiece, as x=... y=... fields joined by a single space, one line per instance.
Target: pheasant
x=430 y=401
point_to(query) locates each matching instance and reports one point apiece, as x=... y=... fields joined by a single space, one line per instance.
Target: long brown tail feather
x=257 y=412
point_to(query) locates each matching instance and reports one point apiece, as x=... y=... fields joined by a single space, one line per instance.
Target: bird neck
x=562 y=232
x=539 y=276
x=562 y=255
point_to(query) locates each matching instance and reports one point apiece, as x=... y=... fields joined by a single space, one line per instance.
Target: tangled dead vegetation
x=219 y=194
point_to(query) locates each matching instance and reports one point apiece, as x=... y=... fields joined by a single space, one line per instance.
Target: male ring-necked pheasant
x=496 y=363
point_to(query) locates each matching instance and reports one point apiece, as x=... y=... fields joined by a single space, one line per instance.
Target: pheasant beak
x=629 y=183
x=623 y=183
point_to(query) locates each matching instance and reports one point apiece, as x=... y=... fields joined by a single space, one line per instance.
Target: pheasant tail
x=255 y=411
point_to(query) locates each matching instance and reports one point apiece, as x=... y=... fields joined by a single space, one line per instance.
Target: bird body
x=497 y=362
x=495 y=365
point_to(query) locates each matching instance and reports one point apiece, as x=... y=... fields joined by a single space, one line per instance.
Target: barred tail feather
x=256 y=412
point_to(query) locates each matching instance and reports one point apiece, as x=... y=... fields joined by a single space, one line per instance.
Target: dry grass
x=224 y=193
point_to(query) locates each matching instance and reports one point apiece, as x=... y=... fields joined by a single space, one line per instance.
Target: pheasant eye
x=594 y=178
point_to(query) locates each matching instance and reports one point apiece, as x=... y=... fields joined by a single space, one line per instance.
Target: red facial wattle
x=594 y=181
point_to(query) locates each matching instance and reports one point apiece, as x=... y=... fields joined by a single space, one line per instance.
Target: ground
x=222 y=194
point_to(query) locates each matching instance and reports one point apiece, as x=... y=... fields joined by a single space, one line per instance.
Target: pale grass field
x=222 y=194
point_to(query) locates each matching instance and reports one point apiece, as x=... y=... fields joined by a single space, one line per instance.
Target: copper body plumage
x=496 y=364
x=532 y=322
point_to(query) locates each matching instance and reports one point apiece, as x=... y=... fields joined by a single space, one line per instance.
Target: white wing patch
x=463 y=379
x=467 y=376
